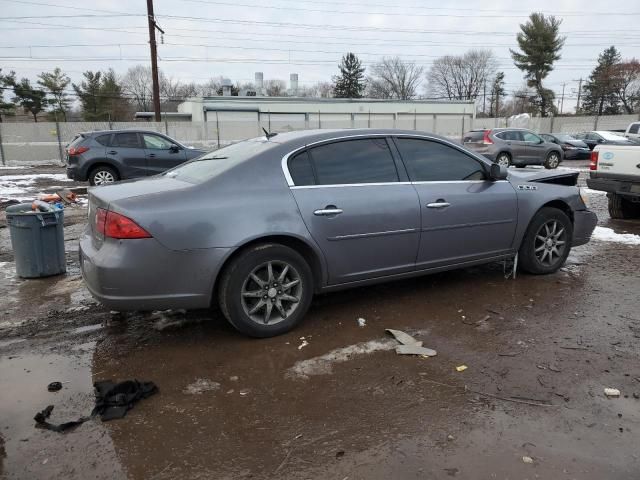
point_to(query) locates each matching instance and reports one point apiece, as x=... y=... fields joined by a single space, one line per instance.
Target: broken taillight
x=486 y=139
x=594 y=161
x=113 y=225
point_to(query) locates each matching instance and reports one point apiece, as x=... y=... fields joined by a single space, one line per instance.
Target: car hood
x=562 y=177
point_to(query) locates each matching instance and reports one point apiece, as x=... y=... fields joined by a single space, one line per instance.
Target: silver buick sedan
x=262 y=225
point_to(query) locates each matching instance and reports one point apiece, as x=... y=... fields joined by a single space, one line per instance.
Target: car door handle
x=438 y=204
x=151 y=155
x=112 y=152
x=327 y=211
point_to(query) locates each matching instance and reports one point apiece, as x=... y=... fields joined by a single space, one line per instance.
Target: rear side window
x=473 y=136
x=512 y=135
x=428 y=161
x=127 y=140
x=301 y=170
x=634 y=128
x=104 y=139
x=354 y=161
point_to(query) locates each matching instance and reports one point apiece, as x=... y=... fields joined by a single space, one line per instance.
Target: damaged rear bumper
x=584 y=222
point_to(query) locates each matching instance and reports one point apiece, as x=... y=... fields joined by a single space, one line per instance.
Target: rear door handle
x=327 y=211
x=438 y=204
x=112 y=152
x=152 y=155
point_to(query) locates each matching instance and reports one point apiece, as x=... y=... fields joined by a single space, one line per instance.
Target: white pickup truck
x=615 y=169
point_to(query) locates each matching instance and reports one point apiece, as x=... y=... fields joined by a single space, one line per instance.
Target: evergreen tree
x=111 y=103
x=32 y=100
x=350 y=82
x=55 y=83
x=89 y=94
x=601 y=88
x=540 y=45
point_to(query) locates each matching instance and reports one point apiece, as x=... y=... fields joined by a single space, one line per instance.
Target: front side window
x=429 y=161
x=154 y=142
x=366 y=160
x=531 y=137
x=127 y=140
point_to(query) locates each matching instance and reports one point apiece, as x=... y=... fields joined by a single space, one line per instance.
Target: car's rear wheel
x=103 y=175
x=503 y=159
x=622 y=208
x=547 y=242
x=552 y=160
x=266 y=290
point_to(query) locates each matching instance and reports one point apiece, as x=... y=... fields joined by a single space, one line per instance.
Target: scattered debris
x=415 y=349
x=303 y=344
x=340 y=454
x=403 y=338
x=612 y=392
x=200 y=386
x=233 y=378
x=362 y=322
x=168 y=319
x=526 y=459
x=451 y=438
x=461 y=368
x=54 y=386
x=245 y=392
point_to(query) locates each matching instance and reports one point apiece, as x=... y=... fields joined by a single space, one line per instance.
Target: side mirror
x=541 y=140
x=498 y=172
x=174 y=148
x=600 y=140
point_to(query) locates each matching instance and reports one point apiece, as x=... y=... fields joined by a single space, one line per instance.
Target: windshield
x=214 y=163
x=611 y=136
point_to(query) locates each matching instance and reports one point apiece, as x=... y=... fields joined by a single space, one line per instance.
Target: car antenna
x=268 y=134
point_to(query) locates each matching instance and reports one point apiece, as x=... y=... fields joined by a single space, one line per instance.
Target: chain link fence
x=45 y=142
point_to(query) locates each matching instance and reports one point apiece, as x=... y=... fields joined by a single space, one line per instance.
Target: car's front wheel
x=552 y=160
x=103 y=175
x=266 y=290
x=547 y=242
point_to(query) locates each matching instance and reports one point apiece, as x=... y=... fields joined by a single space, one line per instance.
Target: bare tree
x=317 y=90
x=210 y=87
x=461 y=77
x=628 y=84
x=138 y=84
x=393 y=78
x=275 y=88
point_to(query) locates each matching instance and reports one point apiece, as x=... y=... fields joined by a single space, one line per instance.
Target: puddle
x=86 y=452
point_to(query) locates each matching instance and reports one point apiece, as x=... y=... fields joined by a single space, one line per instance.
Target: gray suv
x=513 y=146
x=103 y=157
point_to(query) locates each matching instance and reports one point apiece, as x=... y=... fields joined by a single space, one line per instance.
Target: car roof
x=92 y=133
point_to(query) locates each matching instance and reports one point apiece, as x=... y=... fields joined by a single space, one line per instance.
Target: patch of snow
x=61 y=177
x=605 y=234
x=323 y=364
x=589 y=191
x=9 y=167
x=200 y=386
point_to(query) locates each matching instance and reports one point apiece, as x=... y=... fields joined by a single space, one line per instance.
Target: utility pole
x=154 y=58
x=579 y=92
x=562 y=100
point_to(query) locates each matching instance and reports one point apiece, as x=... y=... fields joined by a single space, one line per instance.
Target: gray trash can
x=37 y=239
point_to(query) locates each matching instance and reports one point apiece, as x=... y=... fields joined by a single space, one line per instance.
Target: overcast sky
x=236 y=38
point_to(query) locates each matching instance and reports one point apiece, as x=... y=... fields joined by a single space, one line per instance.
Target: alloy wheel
x=550 y=242
x=553 y=160
x=271 y=292
x=503 y=161
x=103 y=177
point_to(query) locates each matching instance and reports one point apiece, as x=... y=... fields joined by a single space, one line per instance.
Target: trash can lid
x=21 y=209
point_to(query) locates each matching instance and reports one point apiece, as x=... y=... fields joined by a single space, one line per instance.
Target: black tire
x=503 y=157
x=237 y=276
x=99 y=174
x=622 y=208
x=528 y=259
x=553 y=160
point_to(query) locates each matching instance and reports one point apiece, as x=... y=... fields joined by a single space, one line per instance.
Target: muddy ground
x=339 y=403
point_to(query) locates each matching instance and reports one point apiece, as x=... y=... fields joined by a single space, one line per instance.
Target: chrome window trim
x=290 y=183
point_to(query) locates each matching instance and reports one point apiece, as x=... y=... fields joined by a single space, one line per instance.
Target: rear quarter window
x=104 y=139
x=473 y=136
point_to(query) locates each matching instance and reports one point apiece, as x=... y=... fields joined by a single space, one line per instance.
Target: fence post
x=319 y=120
x=435 y=123
x=551 y=126
x=306 y=120
x=110 y=124
x=166 y=125
x=59 y=139
x=415 y=119
x=217 y=129
x=595 y=123
x=462 y=132
x=2 y=157
x=395 y=119
x=353 y=120
x=369 y=121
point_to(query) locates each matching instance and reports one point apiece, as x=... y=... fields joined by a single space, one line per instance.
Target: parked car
x=104 y=157
x=633 y=131
x=602 y=137
x=572 y=148
x=260 y=226
x=615 y=169
x=513 y=146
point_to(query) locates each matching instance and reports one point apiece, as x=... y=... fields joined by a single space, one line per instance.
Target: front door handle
x=438 y=204
x=328 y=211
x=112 y=152
x=152 y=155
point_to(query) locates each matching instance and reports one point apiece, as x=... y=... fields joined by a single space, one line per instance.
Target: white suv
x=633 y=131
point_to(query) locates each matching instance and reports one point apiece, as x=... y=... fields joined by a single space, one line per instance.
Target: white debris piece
x=362 y=322
x=612 y=392
x=526 y=459
x=410 y=346
x=403 y=338
x=303 y=344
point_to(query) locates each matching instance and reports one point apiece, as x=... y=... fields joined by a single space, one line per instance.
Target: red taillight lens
x=78 y=151
x=113 y=225
x=594 y=161
x=486 y=139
